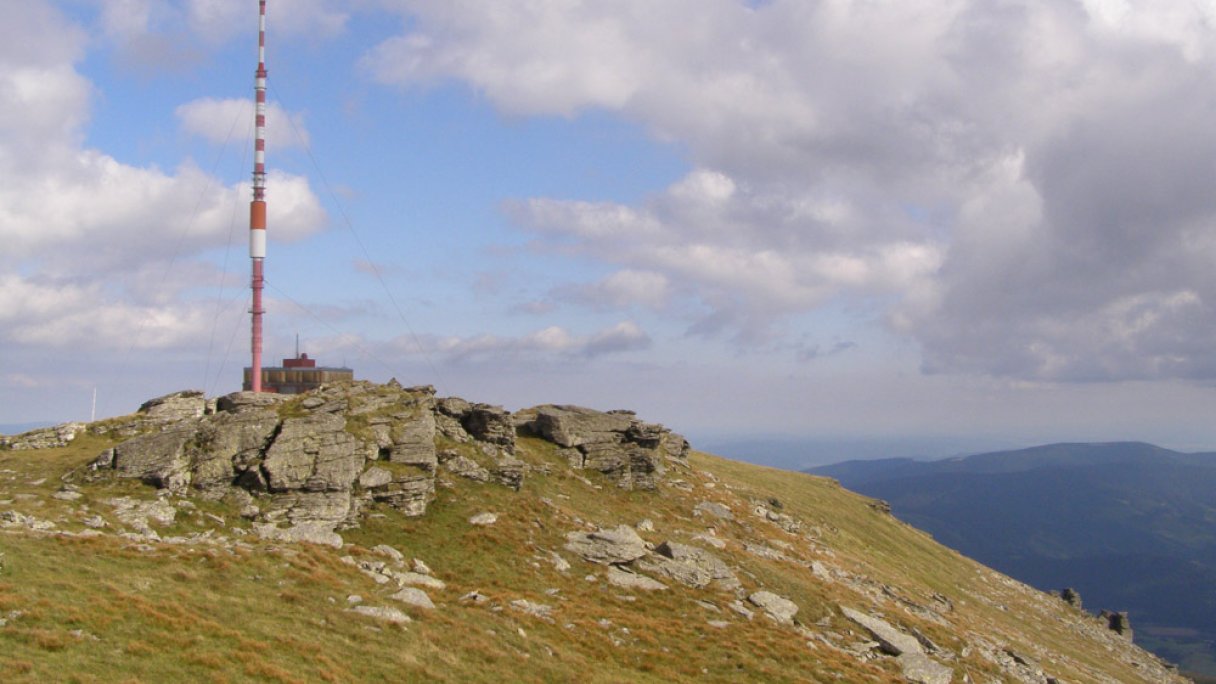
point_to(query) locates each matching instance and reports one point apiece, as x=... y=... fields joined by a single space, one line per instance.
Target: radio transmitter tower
x=301 y=373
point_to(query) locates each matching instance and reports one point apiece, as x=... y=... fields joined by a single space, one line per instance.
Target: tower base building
x=297 y=375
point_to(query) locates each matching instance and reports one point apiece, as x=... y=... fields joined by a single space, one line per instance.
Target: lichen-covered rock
x=779 y=608
x=325 y=456
x=305 y=532
x=889 y=639
x=238 y=402
x=408 y=493
x=571 y=426
x=175 y=407
x=491 y=424
x=226 y=447
x=157 y=458
x=44 y=438
x=607 y=546
x=614 y=443
x=413 y=439
x=414 y=597
x=919 y=668
x=313 y=453
x=632 y=580
x=689 y=565
x=457 y=464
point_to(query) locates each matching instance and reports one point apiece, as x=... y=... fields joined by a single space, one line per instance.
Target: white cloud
x=1023 y=187
x=553 y=340
x=94 y=249
x=219 y=120
x=218 y=20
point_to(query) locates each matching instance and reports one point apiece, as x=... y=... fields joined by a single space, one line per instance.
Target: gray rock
x=1072 y=597
x=314 y=453
x=158 y=458
x=570 y=426
x=137 y=513
x=417 y=579
x=630 y=580
x=305 y=532
x=44 y=438
x=413 y=440
x=298 y=507
x=389 y=552
x=715 y=509
x=889 y=639
x=463 y=466
x=607 y=546
x=175 y=407
x=532 y=608
x=780 y=609
x=228 y=446
x=483 y=519
x=689 y=565
x=414 y=597
x=385 y=613
x=921 y=669
x=239 y=402
x=374 y=477
x=1118 y=622
x=492 y=424
x=510 y=473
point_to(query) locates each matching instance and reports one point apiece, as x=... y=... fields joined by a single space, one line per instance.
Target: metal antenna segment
x=257 y=208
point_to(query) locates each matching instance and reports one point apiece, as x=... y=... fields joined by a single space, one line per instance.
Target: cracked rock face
x=318 y=460
x=608 y=546
x=614 y=443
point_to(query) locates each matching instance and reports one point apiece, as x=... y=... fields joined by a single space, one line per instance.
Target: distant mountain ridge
x=1131 y=525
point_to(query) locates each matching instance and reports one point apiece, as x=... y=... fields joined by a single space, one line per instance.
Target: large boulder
x=608 y=546
x=614 y=443
x=175 y=407
x=313 y=453
x=689 y=565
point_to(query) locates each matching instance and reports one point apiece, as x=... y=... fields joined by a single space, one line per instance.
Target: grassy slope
x=111 y=609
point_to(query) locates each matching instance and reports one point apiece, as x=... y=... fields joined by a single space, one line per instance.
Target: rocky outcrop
x=690 y=565
x=615 y=443
x=915 y=665
x=314 y=462
x=43 y=438
x=1118 y=622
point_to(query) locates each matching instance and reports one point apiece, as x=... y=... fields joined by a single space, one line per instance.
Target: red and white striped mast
x=257 y=208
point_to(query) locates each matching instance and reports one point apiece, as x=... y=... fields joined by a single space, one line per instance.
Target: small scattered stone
x=384 y=613
x=714 y=509
x=484 y=519
x=629 y=580
x=779 y=608
x=414 y=597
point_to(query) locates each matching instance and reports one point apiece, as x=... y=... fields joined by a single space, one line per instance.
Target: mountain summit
x=377 y=532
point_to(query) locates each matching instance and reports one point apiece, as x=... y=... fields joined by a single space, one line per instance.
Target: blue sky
x=946 y=223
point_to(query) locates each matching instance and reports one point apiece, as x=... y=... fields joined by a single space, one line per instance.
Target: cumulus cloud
x=622 y=337
x=89 y=254
x=1021 y=187
x=221 y=19
x=213 y=119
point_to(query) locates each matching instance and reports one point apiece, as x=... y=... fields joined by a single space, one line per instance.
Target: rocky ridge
x=312 y=467
x=304 y=466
